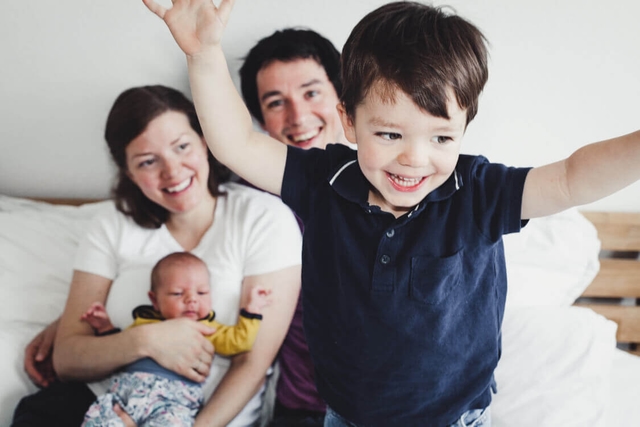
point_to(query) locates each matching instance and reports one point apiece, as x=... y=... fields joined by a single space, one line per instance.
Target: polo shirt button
x=390 y=233
x=385 y=259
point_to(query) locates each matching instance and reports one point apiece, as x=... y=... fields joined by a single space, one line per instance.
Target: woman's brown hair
x=130 y=114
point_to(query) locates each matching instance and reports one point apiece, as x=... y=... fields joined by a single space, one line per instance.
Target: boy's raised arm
x=198 y=26
x=589 y=174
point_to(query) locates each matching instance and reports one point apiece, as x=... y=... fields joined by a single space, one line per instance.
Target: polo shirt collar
x=350 y=183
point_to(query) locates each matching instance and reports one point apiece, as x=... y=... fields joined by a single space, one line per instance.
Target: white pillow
x=38 y=242
x=552 y=260
x=555 y=368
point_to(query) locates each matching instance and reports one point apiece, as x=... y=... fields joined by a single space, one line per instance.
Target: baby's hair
x=419 y=49
x=184 y=259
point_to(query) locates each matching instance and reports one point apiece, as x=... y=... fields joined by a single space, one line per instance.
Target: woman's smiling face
x=168 y=162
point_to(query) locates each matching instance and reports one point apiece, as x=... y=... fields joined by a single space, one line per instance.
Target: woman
x=169 y=198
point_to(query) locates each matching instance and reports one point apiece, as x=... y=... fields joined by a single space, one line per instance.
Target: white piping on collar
x=340 y=171
x=455 y=175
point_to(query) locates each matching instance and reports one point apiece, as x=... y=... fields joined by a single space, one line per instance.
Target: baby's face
x=403 y=151
x=184 y=291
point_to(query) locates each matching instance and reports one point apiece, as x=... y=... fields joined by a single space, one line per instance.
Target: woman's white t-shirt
x=252 y=233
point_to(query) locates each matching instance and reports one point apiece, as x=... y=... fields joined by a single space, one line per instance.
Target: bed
x=560 y=366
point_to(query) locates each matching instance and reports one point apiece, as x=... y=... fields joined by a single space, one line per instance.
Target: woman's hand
x=180 y=346
x=38 y=362
x=195 y=25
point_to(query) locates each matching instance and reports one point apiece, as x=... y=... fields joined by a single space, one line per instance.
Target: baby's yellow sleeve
x=239 y=338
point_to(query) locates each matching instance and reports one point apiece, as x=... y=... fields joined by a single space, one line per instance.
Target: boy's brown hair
x=420 y=50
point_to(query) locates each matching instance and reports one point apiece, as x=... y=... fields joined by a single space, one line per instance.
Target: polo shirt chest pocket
x=433 y=279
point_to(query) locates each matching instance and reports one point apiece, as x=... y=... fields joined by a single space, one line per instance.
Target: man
x=290 y=83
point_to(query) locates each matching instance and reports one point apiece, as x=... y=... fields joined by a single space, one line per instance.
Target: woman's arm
x=247 y=372
x=79 y=355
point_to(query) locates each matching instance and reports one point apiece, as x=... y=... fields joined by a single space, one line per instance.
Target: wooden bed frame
x=615 y=292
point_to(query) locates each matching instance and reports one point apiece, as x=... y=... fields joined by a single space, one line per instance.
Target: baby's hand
x=194 y=24
x=96 y=316
x=259 y=298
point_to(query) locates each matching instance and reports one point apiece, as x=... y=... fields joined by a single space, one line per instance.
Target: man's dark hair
x=287 y=45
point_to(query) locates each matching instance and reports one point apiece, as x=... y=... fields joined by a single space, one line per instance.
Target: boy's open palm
x=194 y=24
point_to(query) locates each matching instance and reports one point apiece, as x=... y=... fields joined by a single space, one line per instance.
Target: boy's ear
x=154 y=300
x=347 y=124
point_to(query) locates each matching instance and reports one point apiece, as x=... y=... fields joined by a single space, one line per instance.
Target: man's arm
x=589 y=174
x=197 y=26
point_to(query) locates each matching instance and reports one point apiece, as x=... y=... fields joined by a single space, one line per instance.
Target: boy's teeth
x=184 y=184
x=305 y=136
x=405 y=182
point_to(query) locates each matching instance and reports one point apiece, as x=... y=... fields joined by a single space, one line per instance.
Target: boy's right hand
x=195 y=24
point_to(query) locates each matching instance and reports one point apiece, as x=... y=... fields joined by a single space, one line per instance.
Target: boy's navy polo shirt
x=402 y=316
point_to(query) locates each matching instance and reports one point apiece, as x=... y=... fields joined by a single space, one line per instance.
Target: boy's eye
x=175 y=294
x=389 y=136
x=312 y=93
x=442 y=139
x=203 y=293
x=183 y=146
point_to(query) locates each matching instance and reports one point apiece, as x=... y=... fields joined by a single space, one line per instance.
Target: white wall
x=563 y=73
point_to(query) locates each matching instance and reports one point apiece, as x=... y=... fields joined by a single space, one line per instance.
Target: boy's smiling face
x=403 y=151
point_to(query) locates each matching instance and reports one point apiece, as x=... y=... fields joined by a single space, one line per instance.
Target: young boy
x=147 y=392
x=404 y=278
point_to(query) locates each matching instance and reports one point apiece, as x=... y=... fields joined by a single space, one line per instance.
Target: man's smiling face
x=298 y=103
